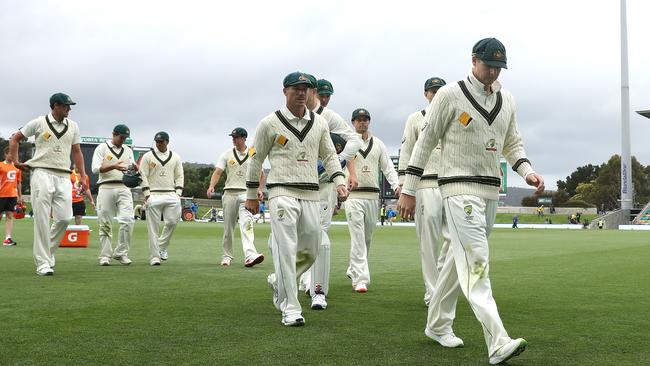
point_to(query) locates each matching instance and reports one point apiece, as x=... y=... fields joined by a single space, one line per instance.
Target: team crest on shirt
x=491 y=145
x=365 y=169
x=239 y=173
x=47 y=135
x=231 y=162
x=109 y=157
x=301 y=157
x=152 y=165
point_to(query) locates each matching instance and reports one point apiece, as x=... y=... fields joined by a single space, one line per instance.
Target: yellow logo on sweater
x=231 y=162
x=251 y=151
x=465 y=119
x=109 y=157
x=152 y=165
x=282 y=140
x=47 y=135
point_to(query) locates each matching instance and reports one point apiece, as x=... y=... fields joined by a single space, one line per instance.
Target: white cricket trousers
x=317 y=278
x=115 y=202
x=169 y=205
x=233 y=209
x=50 y=195
x=295 y=236
x=466 y=267
x=362 y=219
x=433 y=235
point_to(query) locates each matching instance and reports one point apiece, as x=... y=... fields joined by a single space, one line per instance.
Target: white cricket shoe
x=361 y=288
x=164 y=255
x=226 y=261
x=318 y=302
x=509 y=350
x=44 y=270
x=256 y=259
x=293 y=321
x=154 y=261
x=272 y=281
x=448 y=340
x=104 y=261
x=123 y=259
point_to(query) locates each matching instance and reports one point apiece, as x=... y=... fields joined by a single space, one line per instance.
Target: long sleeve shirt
x=474 y=129
x=337 y=125
x=371 y=158
x=161 y=173
x=412 y=129
x=106 y=154
x=293 y=146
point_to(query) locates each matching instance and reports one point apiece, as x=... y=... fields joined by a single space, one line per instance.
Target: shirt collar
x=54 y=121
x=479 y=87
x=290 y=117
x=112 y=145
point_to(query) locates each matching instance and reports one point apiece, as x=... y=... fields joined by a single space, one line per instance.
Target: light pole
x=626 y=159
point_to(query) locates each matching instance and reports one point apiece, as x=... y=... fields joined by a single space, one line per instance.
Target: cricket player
x=162 y=176
x=56 y=139
x=362 y=207
x=293 y=138
x=325 y=91
x=79 y=192
x=474 y=121
x=110 y=160
x=235 y=162
x=316 y=279
x=10 y=194
x=431 y=233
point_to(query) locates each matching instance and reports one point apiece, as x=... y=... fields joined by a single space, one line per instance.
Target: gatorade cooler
x=76 y=236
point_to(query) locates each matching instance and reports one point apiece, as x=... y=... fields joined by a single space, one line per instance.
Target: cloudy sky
x=197 y=69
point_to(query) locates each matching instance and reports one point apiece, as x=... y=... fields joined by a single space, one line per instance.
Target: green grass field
x=579 y=297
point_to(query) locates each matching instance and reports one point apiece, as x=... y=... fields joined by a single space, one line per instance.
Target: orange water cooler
x=76 y=236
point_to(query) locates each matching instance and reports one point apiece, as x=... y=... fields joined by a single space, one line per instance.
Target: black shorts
x=8 y=204
x=79 y=208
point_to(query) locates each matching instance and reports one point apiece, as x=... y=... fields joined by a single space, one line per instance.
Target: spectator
x=382 y=213
x=213 y=214
x=391 y=216
x=262 y=213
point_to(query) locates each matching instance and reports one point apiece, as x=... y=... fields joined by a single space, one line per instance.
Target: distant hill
x=515 y=194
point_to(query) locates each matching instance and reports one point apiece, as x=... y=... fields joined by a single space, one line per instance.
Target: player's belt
x=162 y=190
x=480 y=179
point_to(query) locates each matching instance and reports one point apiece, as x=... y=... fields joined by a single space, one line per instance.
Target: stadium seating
x=643 y=218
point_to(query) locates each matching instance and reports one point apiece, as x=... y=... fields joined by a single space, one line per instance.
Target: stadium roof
x=645 y=114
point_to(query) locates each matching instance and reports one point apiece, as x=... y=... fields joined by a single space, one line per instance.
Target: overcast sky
x=198 y=69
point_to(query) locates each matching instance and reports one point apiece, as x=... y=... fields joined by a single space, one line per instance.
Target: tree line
x=597 y=186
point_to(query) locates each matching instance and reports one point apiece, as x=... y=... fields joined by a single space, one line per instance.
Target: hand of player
x=260 y=195
x=353 y=183
x=92 y=203
x=398 y=190
x=82 y=183
x=252 y=206
x=406 y=206
x=342 y=192
x=144 y=202
x=119 y=166
x=537 y=181
x=209 y=192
